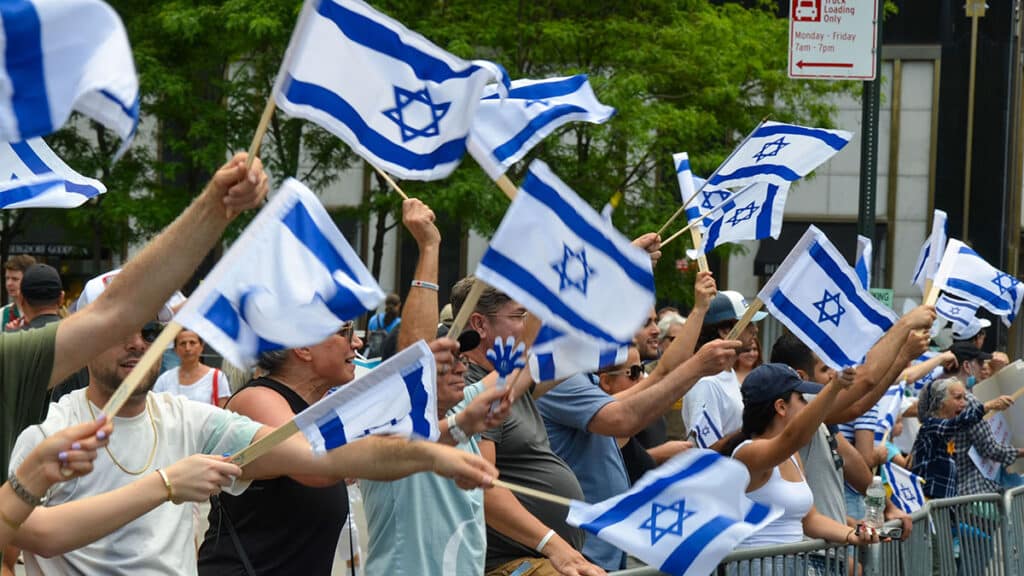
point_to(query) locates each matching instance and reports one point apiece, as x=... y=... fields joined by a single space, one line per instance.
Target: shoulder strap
x=393 y=324
x=226 y=518
x=214 y=397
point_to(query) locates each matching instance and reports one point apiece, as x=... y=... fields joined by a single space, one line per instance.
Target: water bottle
x=874 y=504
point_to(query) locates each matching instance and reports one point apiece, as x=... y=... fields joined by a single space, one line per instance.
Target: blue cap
x=770 y=381
x=729 y=305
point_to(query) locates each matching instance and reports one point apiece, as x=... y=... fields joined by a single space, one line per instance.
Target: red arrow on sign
x=801 y=64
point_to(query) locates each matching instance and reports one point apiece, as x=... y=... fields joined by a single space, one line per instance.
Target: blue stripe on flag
x=810 y=327
x=848 y=287
x=684 y=165
x=550 y=197
x=546 y=366
x=679 y=561
x=623 y=508
x=764 y=219
x=711 y=423
x=514 y=144
x=418 y=396
x=506 y=267
x=783 y=172
x=131 y=111
x=825 y=136
x=376 y=36
x=922 y=262
x=29 y=158
x=692 y=213
x=980 y=293
x=316 y=96
x=23 y=58
x=543 y=90
x=224 y=316
x=25 y=192
x=607 y=358
x=333 y=431
x=83 y=189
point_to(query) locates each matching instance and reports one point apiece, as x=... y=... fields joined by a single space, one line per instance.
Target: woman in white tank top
x=777 y=421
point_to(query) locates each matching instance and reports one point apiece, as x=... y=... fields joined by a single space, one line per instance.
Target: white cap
x=972 y=329
x=96 y=286
x=729 y=305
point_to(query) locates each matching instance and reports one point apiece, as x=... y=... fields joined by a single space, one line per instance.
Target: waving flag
x=555 y=355
x=504 y=130
x=889 y=410
x=903 y=487
x=399 y=101
x=706 y=432
x=965 y=274
x=554 y=254
x=753 y=213
x=39 y=179
x=708 y=197
x=289 y=280
x=929 y=377
x=863 y=263
x=816 y=294
x=64 y=56
x=397 y=397
x=931 y=252
x=778 y=153
x=958 y=311
x=683 y=517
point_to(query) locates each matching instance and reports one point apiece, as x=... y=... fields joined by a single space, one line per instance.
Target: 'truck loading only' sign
x=832 y=39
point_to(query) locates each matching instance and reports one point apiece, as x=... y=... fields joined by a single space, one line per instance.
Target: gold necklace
x=152 y=452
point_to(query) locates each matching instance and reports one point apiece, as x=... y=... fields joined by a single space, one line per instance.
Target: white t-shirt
x=201 y=390
x=161 y=541
x=719 y=397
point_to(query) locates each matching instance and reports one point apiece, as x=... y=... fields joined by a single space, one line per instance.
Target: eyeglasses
x=634 y=372
x=517 y=316
x=347 y=330
x=150 y=331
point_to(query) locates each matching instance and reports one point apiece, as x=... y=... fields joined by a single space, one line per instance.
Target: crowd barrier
x=979 y=535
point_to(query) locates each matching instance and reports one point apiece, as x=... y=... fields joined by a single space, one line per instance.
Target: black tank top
x=284 y=527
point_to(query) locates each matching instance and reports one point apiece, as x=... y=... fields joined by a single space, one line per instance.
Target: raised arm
x=682 y=348
x=922 y=369
x=136 y=294
x=420 y=312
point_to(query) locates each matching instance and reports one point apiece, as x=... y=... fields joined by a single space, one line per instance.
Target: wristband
x=544 y=541
x=457 y=433
x=425 y=284
x=23 y=493
x=167 y=484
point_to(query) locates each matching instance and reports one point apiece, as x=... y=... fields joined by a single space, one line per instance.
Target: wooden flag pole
x=261 y=130
x=387 y=178
x=531 y=492
x=690 y=225
x=931 y=293
x=263 y=445
x=507 y=186
x=467 y=308
x=754 y=308
x=148 y=360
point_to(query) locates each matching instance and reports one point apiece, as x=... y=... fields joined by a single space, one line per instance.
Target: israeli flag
x=888 y=406
x=904 y=487
x=556 y=355
x=398 y=397
x=554 y=254
x=863 y=263
x=931 y=252
x=708 y=197
x=63 y=56
x=816 y=294
x=753 y=213
x=683 y=517
x=958 y=311
x=706 y=432
x=504 y=130
x=290 y=280
x=398 y=100
x=778 y=153
x=37 y=178
x=965 y=274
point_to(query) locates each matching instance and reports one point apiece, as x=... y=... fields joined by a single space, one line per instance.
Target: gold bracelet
x=167 y=483
x=10 y=523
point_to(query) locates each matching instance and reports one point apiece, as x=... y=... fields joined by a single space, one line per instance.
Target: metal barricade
x=910 y=556
x=1013 y=503
x=815 y=557
x=969 y=535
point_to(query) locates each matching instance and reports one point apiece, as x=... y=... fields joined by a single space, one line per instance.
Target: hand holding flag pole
x=754 y=308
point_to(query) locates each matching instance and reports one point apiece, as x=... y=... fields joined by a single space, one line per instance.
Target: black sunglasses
x=634 y=372
x=150 y=331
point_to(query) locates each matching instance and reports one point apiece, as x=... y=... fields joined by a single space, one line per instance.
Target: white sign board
x=832 y=39
x=1007 y=382
x=1001 y=433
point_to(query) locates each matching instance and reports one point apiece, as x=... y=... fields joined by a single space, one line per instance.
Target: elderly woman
x=951 y=422
x=669 y=326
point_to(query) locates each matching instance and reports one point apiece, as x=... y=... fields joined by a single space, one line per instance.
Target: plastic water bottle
x=874 y=504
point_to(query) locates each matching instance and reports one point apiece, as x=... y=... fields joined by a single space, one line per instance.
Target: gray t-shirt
x=825 y=480
x=524 y=456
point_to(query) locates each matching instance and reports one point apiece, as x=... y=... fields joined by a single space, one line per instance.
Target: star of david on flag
x=958 y=311
x=903 y=487
x=71 y=55
x=965 y=274
x=862 y=264
x=556 y=355
x=40 y=179
x=558 y=257
x=706 y=432
x=818 y=296
x=778 y=153
x=753 y=213
x=505 y=130
x=398 y=100
x=931 y=252
x=683 y=517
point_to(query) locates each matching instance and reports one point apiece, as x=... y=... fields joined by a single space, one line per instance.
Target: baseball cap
x=729 y=305
x=966 y=351
x=770 y=381
x=96 y=286
x=972 y=329
x=41 y=283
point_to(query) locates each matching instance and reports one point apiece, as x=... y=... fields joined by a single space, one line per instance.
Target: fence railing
x=979 y=535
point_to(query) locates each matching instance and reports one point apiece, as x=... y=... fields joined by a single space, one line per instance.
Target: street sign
x=832 y=39
x=883 y=295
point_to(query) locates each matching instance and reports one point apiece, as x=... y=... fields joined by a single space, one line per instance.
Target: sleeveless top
x=794 y=498
x=284 y=527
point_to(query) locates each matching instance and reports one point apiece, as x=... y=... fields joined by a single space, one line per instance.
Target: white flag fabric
x=863 y=262
x=706 y=432
x=504 y=130
x=957 y=310
x=35 y=177
x=63 y=56
x=753 y=213
x=931 y=252
x=904 y=487
x=817 y=295
x=889 y=410
x=398 y=397
x=964 y=273
x=289 y=280
x=683 y=517
x=556 y=355
x=555 y=255
x=778 y=153
x=708 y=197
x=398 y=100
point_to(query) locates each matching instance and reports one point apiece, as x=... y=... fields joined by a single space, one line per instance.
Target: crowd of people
x=86 y=494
